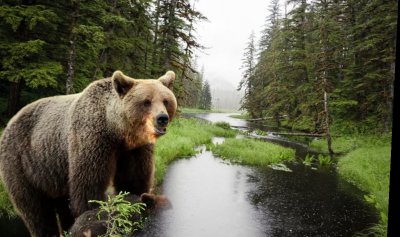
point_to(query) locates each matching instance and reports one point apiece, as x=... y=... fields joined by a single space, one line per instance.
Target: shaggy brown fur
x=72 y=147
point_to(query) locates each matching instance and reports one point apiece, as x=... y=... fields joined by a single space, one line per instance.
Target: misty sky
x=226 y=35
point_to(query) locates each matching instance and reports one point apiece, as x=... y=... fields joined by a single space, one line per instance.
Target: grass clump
x=182 y=137
x=368 y=167
x=252 y=152
x=223 y=125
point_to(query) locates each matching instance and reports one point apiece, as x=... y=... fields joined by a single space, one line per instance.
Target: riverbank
x=365 y=162
x=181 y=140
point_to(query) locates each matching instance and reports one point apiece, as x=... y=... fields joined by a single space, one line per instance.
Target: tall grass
x=252 y=152
x=345 y=144
x=6 y=207
x=181 y=139
x=368 y=167
x=339 y=144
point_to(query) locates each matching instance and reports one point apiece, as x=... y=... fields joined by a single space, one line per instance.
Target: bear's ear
x=168 y=79
x=121 y=83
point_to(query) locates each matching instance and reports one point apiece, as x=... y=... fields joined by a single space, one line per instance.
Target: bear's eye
x=147 y=103
x=165 y=103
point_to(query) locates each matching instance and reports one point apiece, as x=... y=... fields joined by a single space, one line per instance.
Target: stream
x=212 y=197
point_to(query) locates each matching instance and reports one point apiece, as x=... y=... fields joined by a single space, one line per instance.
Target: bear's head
x=148 y=106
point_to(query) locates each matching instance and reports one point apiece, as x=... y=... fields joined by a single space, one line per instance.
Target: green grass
x=346 y=144
x=6 y=207
x=252 y=152
x=368 y=167
x=181 y=139
x=339 y=144
x=241 y=116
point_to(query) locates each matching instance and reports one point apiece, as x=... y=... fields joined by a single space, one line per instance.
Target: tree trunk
x=71 y=67
x=14 y=97
x=327 y=124
x=69 y=85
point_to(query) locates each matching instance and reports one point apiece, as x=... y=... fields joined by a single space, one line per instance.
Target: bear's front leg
x=90 y=171
x=135 y=174
x=135 y=170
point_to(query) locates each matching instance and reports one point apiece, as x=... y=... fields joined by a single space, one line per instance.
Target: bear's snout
x=162 y=120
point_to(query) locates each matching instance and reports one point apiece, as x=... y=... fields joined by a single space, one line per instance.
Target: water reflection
x=209 y=198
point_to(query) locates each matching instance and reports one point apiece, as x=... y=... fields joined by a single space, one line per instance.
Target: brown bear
x=58 y=153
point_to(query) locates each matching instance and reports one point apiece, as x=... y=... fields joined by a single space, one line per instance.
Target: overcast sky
x=226 y=35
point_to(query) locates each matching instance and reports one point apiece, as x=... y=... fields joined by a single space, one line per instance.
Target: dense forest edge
x=328 y=67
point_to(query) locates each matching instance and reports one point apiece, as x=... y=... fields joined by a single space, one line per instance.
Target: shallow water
x=212 y=197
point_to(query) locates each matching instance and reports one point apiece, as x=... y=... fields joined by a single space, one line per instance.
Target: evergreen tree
x=246 y=83
x=27 y=32
x=205 y=99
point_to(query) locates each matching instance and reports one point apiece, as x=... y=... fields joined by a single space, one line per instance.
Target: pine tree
x=248 y=66
x=26 y=53
x=205 y=99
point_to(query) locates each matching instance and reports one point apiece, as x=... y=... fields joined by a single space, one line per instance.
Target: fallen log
x=266 y=118
x=301 y=134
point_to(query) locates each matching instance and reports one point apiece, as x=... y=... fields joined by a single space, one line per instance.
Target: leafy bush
x=119 y=212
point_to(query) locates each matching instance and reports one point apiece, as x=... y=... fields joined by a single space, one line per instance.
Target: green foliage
x=205 y=97
x=308 y=160
x=324 y=160
x=64 y=46
x=252 y=152
x=119 y=212
x=338 y=48
x=223 y=125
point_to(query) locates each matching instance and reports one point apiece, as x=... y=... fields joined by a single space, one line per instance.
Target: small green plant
x=223 y=125
x=260 y=132
x=308 y=160
x=324 y=160
x=119 y=212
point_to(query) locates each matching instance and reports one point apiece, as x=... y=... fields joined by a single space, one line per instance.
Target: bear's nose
x=162 y=120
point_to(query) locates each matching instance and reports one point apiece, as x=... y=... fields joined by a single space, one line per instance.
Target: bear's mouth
x=160 y=131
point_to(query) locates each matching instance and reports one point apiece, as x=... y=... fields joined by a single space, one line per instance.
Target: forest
x=58 y=47
x=324 y=64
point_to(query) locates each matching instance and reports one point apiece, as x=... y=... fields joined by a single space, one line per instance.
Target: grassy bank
x=182 y=137
x=252 y=152
x=366 y=164
x=369 y=168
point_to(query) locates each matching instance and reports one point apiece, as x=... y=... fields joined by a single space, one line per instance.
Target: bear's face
x=147 y=106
